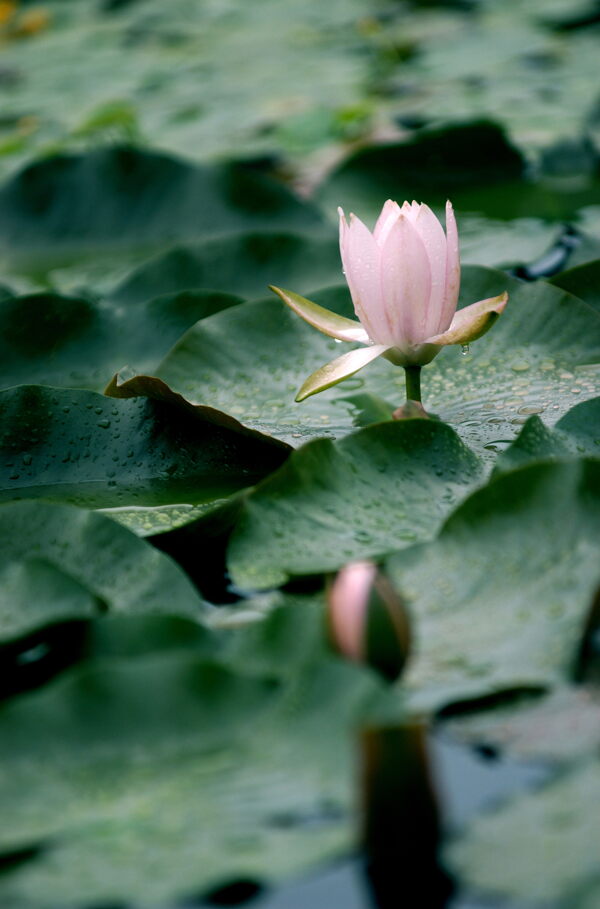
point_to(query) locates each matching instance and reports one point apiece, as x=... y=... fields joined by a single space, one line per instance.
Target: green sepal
x=339 y=369
x=330 y=323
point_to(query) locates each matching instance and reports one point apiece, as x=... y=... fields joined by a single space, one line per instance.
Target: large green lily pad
x=79 y=343
x=243 y=264
x=124 y=200
x=583 y=281
x=225 y=773
x=82 y=447
x=499 y=599
x=541 y=356
x=376 y=490
x=58 y=562
x=462 y=160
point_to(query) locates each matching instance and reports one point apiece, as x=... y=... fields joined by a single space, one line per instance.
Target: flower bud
x=367 y=619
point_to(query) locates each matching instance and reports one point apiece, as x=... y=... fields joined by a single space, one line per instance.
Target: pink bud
x=348 y=603
x=367 y=619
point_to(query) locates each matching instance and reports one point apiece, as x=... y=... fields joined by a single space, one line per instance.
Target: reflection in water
x=466 y=783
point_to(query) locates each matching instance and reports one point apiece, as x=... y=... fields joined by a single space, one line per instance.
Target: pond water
x=467 y=783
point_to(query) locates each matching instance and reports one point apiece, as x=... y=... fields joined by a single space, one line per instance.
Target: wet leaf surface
x=548 y=842
x=249 y=769
x=372 y=492
x=543 y=351
x=576 y=434
x=85 y=448
x=59 y=562
x=501 y=596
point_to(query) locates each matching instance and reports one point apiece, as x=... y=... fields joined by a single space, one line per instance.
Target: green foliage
x=81 y=447
x=544 y=349
x=59 y=562
x=154 y=744
x=249 y=768
x=373 y=492
x=561 y=865
x=496 y=609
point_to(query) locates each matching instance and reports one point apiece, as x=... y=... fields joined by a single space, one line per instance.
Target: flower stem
x=413 y=383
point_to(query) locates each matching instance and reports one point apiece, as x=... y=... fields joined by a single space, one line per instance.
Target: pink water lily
x=404 y=280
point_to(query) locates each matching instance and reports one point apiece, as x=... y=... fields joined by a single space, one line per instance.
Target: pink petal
x=411 y=210
x=452 y=271
x=434 y=239
x=389 y=213
x=361 y=260
x=406 y=284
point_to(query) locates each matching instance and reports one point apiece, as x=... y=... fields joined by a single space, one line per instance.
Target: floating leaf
x=548 y=841
x=500 y=597
x=575 y=434
x=583 y=281
x=78 y=343
x=370 y=493
x=244 y=264
x=560 y=727
x=436 y=163
x=141 y=201
x=189 y=753
x=58 y=562
x=85 y=448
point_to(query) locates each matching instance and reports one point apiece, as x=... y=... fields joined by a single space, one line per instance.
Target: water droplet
x=464 y=350
x=519 y=366
x=498 y=445
x=531 y=408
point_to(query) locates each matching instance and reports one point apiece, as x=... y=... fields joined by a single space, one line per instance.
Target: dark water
x=467 y=783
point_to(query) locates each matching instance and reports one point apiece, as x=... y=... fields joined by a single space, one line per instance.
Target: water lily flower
x=404 y=280
x=367 y=619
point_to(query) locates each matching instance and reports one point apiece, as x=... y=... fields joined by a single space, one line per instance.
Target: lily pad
x=500 y=597
x=58 y=562
x=544 y=350
x=112 y=200
x=561 y=727
x=151 y=519
x=548 y=842
x=164 y=75
x=577 y=434
x=474 y=163
x=54 y=340
x=374 y=491
x=82 y=447
x=185 y=752
x=435 y=163
x=582 y=281
x=259 y=259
